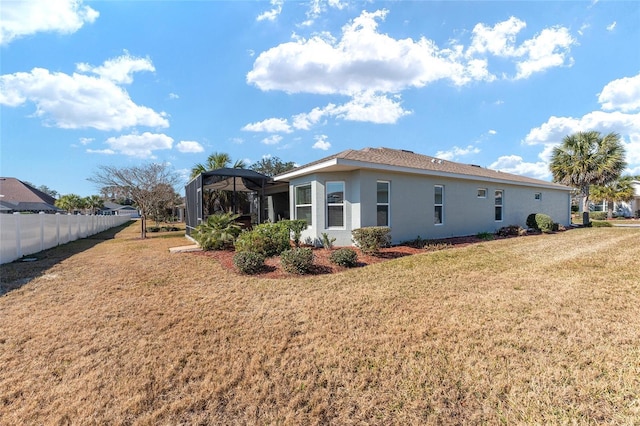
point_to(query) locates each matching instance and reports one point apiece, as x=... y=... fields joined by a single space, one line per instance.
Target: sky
x=85 y=84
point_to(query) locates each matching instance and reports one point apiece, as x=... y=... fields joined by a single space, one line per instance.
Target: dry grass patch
x=541 y=329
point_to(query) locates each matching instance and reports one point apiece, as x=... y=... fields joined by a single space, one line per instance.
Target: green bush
x=371 y=239
x=601 y=224
x=218 y=232
x=249 y=262
x=268 y=239
x=540 y=222
x=344 y=257
x=598 y=215
x=297 y=260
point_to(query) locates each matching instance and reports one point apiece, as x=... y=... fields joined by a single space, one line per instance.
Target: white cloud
x=371 y=108
x=271 y=15
x=492 y=132
x=174 y=96
x=622 y=94
x=272 y=140
x=457 y=152
x=612 y=26
x=189 y=146
x=86 y=141
x=270 y=125
x=23 y=18
x=366 y=60
x=78 y=101
x=321 y=143
x=141 y=146
x=516 y=165
x=101 y=151
x=119 y=70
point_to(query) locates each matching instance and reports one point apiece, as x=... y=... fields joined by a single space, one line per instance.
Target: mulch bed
x=321 y=262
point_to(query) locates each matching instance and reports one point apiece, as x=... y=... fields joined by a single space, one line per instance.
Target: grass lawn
x=116 y=330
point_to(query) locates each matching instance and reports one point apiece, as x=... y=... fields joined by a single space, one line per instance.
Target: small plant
x=486 y=236
x=249 y=262
x=344 y=257
x=436 y=245
x=297 y=260
x=540 y=222
x=371 y=239
x=295 y=229
x=218 y=232
x=598 y=215
x=327 y=242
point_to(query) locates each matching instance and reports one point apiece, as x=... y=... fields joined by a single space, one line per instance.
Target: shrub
x=511 y=230
x=371 y=239
x=598 y=215
x=268 y=239
x=295 y=229
x=218 y=232
x=344 y=257
x=601 y=224
x=327 y=242
x=153 y=229
x=297 y=260
x=248 y=262
x=540 y=222
x=486 y=236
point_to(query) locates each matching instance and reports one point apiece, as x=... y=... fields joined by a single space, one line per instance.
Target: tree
x=271 y=166
x=93 y=203
x=586 y=158
x=619 y=190
x=146 y=185
x=216 y=200
x=70 y=202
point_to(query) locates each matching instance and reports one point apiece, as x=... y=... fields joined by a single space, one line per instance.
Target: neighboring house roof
x=402 y=161
x=108 y=205
x=16 y=195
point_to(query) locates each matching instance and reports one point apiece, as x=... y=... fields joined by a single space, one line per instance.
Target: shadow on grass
x=20 y=272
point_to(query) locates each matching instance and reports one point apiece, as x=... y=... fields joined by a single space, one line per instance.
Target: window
x=382 y=203
x=537 y=196
x=498 y=205
x=438 y=203
x=335 y=204
x=303 y=202
x=482 y=192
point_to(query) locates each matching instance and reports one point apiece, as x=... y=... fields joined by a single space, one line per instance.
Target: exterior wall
x=411 y=210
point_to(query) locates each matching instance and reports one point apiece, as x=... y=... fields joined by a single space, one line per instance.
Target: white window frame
x=483 y=190
x=387 y=204
x=296 y=205
x=498 y=205
x=436 y=205
x=341 y=204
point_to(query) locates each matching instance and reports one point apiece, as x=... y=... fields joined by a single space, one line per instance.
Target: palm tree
x=70 y=202
x=586 y=158
x=619 y=190
x=93 y=203
x=217 y=160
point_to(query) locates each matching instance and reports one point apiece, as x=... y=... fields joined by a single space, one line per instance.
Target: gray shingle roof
x=410 y=162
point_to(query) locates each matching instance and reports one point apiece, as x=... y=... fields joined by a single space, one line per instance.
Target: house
x=631 y=208
x=17 y=196
x=111 y=208
x=415 y=195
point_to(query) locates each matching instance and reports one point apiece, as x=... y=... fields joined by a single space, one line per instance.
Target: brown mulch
x=321 y=262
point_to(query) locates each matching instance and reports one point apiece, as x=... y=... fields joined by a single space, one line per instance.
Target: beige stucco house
x=415 y=195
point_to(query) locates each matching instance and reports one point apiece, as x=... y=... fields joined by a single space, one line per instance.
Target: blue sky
x=495 y=83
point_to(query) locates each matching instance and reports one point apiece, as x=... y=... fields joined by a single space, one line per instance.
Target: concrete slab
x=185 y=249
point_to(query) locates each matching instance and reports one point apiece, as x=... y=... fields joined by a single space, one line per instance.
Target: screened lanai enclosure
x=252 y=195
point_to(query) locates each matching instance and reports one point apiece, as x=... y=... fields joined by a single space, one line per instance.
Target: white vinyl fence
x=24 y=234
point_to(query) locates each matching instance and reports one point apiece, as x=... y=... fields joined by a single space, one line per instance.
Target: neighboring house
x=111 y=208
x=632 y=208
x=17 y=196
x=415 y=195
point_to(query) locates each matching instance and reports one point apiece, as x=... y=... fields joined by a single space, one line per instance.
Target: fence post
x=41 y=215
x=18 y=236
x=57 y=229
